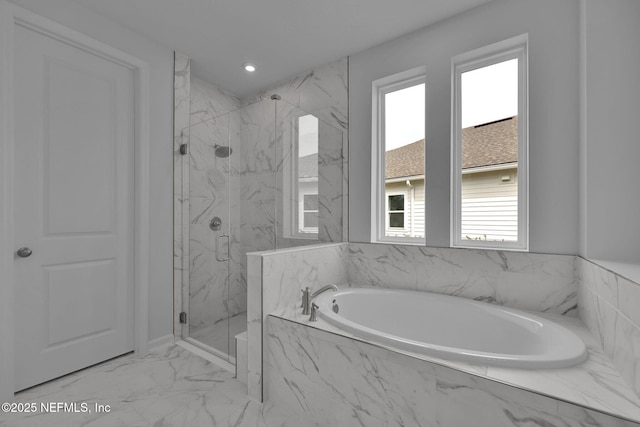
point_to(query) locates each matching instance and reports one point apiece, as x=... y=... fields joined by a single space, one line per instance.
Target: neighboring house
x=404 y=190
x=489 y=184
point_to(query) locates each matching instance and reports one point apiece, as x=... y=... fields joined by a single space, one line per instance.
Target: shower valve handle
x=218 y=258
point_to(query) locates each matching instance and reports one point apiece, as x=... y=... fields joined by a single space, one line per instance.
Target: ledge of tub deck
x=594 y=384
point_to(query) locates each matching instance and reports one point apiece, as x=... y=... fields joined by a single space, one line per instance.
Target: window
x=489 y=207
x=300 y=177
x=398 y=147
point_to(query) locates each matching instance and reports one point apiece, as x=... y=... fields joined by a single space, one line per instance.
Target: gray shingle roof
x=404 y=161
x=489 y=144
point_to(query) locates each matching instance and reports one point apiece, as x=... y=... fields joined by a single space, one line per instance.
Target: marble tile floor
x=168 y=387
x=216 y=336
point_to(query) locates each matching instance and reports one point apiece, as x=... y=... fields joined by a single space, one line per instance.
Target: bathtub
x=452 y=328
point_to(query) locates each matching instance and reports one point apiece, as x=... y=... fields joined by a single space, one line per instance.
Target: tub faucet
x=306 y=300
x=308 y=296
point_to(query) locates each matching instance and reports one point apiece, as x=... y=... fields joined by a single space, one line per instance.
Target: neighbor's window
x=395 y=211
x=489 y=147
x=398 y=202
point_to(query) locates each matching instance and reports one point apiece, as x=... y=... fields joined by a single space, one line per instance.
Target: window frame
x=380 y=88
x=513 y=48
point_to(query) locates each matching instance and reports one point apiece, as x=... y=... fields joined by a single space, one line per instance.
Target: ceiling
x=281 y=37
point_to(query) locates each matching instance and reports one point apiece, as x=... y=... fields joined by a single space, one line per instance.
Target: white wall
x=553 y=29
x=610 y=144
x=160 y=60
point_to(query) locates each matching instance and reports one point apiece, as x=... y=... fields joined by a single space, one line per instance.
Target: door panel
x=73 y=207
x=73 y=132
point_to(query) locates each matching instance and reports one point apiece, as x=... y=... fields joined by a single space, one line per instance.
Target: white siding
x=414 y=208
x=490 y=205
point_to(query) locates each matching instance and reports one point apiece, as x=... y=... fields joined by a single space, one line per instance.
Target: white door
x=73 y=208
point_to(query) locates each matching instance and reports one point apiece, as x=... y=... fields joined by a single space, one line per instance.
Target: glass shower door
x=266 y=176
x=209 y=236
x=232 y=202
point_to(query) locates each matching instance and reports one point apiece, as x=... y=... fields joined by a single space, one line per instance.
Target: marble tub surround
x=314 y=367
x=528 y=281
x=609 y=306
x=272 y=276
x=538 y=282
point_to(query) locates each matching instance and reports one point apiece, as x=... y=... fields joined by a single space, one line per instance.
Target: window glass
x=489 y=147
x=489 y=209
x=404 y=160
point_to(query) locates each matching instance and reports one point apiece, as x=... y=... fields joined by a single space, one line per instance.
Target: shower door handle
x=218 y=247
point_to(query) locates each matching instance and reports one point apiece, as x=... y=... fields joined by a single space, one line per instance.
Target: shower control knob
x=24 y=252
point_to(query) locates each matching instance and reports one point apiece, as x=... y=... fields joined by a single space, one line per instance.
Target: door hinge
x=183 y=149
x=183 y=318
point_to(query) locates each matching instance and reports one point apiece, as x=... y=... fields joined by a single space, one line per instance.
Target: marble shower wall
x=335 y=380
x=330 y=179
x=540 y=282
x=610 y=307
x=244 y=190
x=275 y=281
x=322 y=92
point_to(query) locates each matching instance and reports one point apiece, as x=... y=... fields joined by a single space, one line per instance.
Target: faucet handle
x=314 y=310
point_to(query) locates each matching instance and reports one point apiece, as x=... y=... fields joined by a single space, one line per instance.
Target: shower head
x=222 y=151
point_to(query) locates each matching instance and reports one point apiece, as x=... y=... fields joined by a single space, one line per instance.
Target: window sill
x=413 y=241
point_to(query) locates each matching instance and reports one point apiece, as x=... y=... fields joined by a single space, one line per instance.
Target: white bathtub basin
x=453 y=328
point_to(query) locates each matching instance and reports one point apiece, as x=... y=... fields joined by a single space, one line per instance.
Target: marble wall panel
x=209 y=101
x=609 y=307
x=539 y=282
x=254 y=325
x=337 y=381
x=321 y=92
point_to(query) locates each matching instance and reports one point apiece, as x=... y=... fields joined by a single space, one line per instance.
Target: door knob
x=24 y=252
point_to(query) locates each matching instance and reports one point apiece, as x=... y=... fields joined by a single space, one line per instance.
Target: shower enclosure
x=263 y=177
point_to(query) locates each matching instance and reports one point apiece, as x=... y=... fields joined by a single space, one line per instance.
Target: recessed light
x=249 y=67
